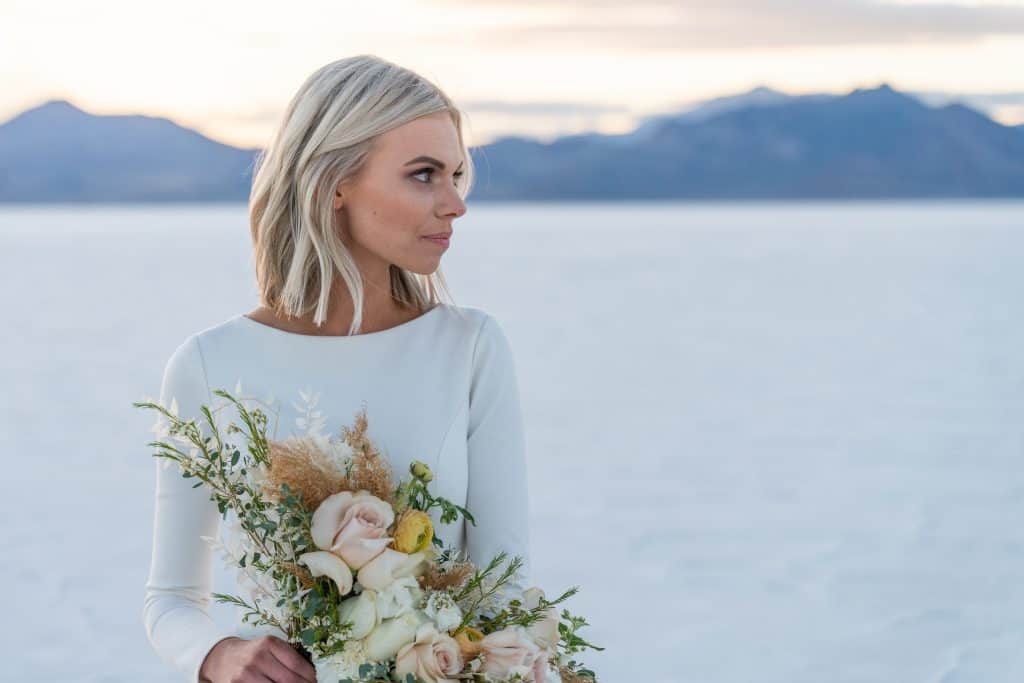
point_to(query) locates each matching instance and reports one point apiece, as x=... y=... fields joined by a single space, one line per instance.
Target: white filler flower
x=341 y=665
x=443 y=611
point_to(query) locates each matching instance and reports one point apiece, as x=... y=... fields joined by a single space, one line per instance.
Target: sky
x=528 y=67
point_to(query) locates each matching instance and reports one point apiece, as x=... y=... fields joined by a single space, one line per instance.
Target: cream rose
x=389 y=565
x=322 y=563
x=545 y=631
x=353 y=526
x=387 y=639
x=361 y=612
x=432 y=657
x=509 y=651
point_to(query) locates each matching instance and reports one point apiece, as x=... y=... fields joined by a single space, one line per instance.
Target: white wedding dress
x=441 y=388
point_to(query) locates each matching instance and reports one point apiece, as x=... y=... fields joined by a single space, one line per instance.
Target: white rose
x=399 y=597
x=361 y=611
x=387 y=639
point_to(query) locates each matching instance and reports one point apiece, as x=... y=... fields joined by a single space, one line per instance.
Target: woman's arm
x=175 y=611
x=497 y=496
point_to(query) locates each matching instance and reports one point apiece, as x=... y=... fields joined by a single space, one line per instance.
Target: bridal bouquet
x=344 y=561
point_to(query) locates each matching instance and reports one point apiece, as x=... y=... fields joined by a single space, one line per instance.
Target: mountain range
x=763 y=144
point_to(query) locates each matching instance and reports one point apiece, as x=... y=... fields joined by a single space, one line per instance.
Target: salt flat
x=773 y=442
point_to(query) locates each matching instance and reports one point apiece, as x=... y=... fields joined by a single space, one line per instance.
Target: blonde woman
x=352 y=208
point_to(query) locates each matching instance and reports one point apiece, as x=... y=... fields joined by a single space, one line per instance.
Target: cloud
x=1005 y=107
x=735 y=24
x=984 y=100
x=539 y=108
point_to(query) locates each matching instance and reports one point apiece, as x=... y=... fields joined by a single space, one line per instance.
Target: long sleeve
x=497 y=495
x=177 y=598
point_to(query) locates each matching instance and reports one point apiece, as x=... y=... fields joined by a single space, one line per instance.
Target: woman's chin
x=428 y=267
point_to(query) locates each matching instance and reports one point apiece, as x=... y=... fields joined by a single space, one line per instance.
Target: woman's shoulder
x=473 y=317
x=482 y=326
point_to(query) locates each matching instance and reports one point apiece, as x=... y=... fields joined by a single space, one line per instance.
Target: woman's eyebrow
x=426 y=159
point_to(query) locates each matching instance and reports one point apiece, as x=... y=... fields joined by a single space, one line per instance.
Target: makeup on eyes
x=434 y=162
x=428 y=170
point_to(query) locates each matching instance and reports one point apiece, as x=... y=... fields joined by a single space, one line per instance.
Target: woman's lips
x=443 y=241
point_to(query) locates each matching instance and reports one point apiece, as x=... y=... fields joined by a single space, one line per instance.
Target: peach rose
x=541 y=668
x=432 y=657
x=509 y=651
x=353 y=526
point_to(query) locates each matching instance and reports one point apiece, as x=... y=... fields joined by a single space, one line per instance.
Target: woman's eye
x=429 y=171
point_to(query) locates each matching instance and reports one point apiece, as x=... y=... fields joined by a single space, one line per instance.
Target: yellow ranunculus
x=414 y=533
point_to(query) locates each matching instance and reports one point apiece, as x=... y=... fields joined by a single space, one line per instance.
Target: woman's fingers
x=291 y=662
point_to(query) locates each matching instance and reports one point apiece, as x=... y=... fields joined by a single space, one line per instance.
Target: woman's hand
x=264 y=660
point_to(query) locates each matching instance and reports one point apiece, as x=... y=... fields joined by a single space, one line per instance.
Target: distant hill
x=870 y=143
x=59 y=153
x=758 y=97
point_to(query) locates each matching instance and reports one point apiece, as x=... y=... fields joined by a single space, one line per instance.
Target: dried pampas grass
x=455 y=578
x=369 y=471
x=307 y=470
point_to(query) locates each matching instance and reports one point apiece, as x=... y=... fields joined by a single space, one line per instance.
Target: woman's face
x=407 y=190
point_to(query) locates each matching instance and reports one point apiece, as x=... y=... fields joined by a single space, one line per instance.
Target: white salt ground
x=772 y=442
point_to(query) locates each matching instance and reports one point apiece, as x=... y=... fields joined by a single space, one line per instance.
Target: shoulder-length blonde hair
x=324 y=138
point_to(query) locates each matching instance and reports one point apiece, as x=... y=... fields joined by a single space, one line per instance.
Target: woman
x=351 y=209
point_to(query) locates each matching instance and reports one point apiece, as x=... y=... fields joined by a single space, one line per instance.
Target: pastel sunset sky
x=539 y=68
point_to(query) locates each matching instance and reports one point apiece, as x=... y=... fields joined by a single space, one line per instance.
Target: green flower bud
x=421 y=471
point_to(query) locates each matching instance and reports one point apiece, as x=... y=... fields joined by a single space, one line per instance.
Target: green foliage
x=569 y=641
x=414 y=494
x=375 y=673
x=580 y=670
x=515 y=615
x=477 y=591
x=278 y=530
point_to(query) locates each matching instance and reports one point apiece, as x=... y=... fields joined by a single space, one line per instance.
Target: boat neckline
x=285 y=334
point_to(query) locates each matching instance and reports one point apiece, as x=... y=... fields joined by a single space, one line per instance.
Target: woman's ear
x=339 y=195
